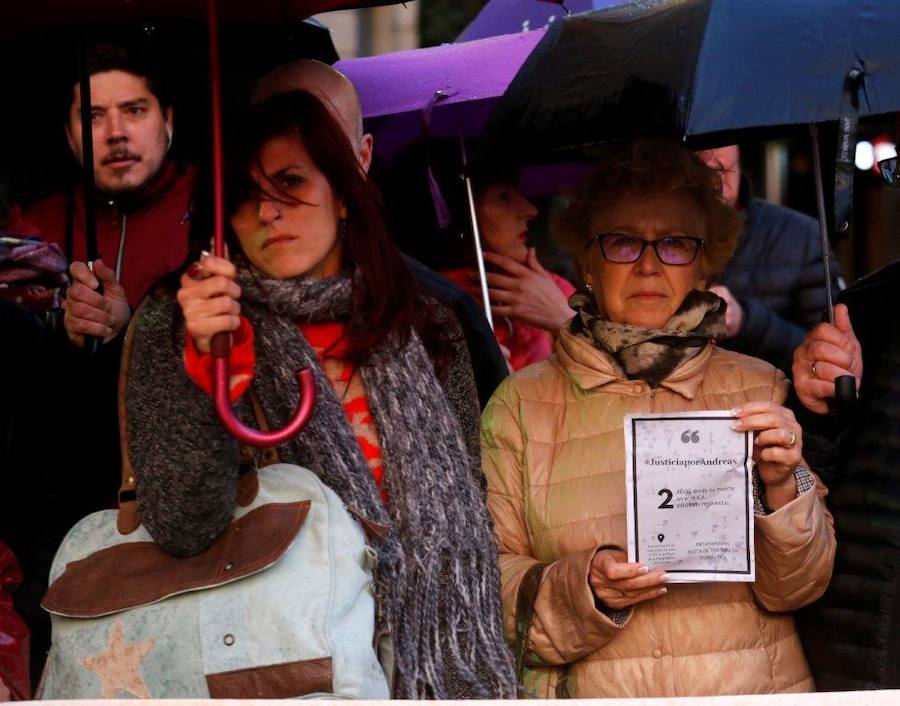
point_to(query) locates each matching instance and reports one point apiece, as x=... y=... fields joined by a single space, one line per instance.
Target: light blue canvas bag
x=280 y=606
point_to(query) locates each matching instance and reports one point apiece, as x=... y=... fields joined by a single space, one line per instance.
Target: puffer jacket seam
x=596 y=657
x=768 y=647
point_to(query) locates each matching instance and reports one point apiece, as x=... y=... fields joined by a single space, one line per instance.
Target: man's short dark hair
x=130 y=58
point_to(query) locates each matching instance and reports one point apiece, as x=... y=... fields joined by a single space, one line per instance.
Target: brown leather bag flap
x=139 y=573
x=277 y=681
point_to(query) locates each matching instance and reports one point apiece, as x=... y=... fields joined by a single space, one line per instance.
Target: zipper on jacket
x=120 y=255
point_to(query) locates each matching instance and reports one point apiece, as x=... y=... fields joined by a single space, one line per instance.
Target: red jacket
x=527 y=344
x=154 y=226
x=14 y=642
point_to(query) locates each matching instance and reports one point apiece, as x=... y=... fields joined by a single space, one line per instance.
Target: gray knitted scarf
x=651 y=354
x=437 y=576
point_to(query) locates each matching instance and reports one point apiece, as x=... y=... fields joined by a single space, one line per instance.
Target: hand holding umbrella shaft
x=209 y=300
x=827 y=352
x=95 y=304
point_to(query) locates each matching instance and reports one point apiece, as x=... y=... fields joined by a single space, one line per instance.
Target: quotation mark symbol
x=690 y=437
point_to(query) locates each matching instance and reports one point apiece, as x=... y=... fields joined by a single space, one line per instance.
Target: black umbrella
x=708 y=73
x=42 y=14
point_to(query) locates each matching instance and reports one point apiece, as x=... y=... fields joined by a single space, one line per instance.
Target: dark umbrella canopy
x=706 y=72
x=694 y=68
x=33 y=146
x=44 y=14
x=511 y=16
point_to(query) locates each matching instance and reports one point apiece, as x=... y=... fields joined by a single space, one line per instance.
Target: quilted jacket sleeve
x=795 y=546
x=567 y=624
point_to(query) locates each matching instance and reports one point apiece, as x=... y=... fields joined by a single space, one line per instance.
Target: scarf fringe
x=437 y=568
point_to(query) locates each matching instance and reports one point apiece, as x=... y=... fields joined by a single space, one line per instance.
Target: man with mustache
x=142 y=233
x=142 y=195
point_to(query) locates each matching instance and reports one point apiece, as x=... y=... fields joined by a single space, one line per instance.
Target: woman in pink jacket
x=649 y=229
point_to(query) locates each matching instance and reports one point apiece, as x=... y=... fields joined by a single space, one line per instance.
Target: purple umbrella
x=513 y=16
x=440 y=92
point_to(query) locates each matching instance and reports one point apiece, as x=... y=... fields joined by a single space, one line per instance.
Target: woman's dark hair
x=386 y=304
x=427 y=205
x=130 y=54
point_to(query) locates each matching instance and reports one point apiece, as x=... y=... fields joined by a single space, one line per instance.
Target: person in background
x=774 y=282
x=427 y=202
x=142 y=233
x=529 y=304
x=316 y=283
x=340 y=97
x=143 y=196
x=15 y=683
x=649 y=230
x=851 y=635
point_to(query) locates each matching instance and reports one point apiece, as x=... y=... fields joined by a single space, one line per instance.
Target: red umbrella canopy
x=35 y=15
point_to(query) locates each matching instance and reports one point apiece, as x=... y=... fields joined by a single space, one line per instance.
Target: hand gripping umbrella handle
x=845 y=393
x=845 y=385
x=221 y=347
x=221 y=343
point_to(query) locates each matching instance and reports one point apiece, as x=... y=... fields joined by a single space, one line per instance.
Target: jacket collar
x=145 y=198
x=590 y=368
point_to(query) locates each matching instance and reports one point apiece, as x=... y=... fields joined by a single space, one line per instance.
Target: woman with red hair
x=315 y=282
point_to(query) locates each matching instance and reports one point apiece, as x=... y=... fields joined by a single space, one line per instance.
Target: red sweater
x=14 y=638
x=155 y=229
x=329 y=343
x=527 y=344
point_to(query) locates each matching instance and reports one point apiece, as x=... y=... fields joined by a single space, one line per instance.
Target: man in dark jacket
x=852 y=634
x=775 y=283
x=142 y=196
x=66 y=456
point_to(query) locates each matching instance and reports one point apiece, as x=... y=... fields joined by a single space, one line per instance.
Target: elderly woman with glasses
x=649 y=229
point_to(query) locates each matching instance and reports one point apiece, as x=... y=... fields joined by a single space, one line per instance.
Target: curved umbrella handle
x=221 y=347
x=845 y=393
x=221 y=343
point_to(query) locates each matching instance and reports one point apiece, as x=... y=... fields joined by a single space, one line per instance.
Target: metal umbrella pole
x=476 y=233
x=221 y=342
x=91 y=343
x=844 y=385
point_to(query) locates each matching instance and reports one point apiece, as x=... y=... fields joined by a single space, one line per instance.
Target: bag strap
x=129 y=518
x=525 y=598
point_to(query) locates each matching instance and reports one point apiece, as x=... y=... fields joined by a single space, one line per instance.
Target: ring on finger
x=812 y=370
x=793 y=440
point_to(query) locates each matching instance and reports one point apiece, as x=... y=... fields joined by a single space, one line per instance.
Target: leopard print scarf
x=650 y=354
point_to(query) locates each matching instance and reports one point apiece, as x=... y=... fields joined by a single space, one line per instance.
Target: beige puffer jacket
x=554 y=457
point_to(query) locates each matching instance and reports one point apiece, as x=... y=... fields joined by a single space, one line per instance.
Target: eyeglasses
x=623 y=248
x=890 y=171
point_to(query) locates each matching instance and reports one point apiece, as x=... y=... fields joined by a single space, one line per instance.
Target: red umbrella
x=33 y=15
x=45 y=14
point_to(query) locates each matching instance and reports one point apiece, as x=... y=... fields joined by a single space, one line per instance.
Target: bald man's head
x=329 y=85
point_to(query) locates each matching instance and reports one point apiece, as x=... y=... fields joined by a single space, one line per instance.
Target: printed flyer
x=690 y=495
